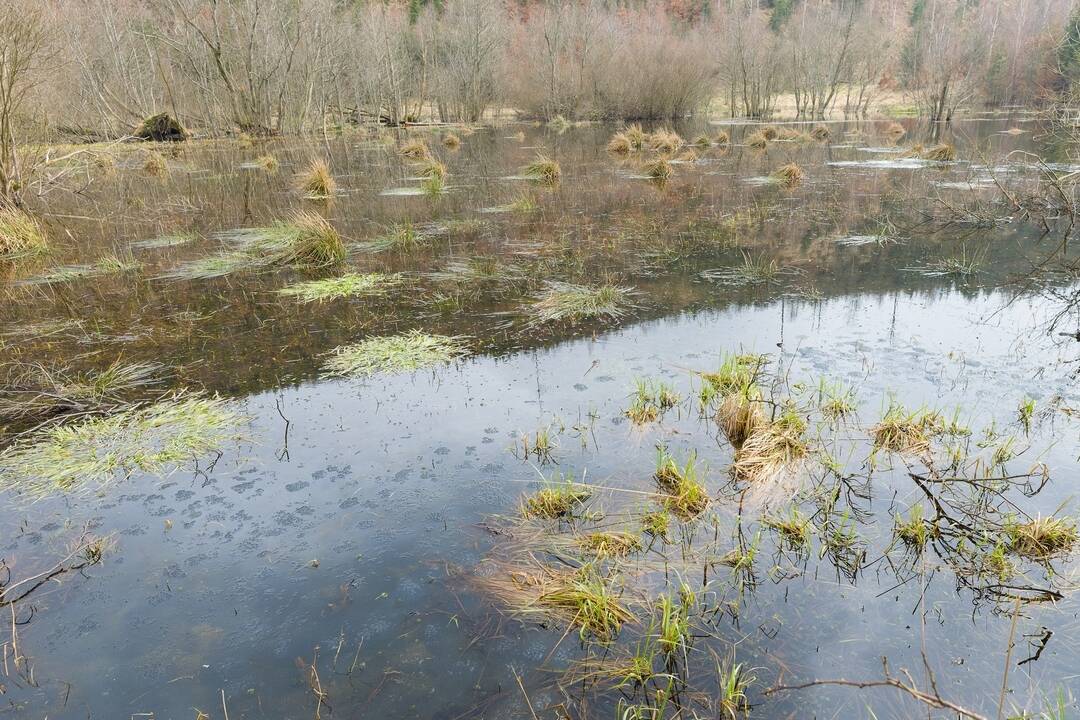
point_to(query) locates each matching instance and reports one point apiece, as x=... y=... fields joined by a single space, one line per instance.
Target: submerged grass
x=349 y=285
x=411 y=351
x=566 y=302
x=609 y=544
x=20 y=234
x=89 y=454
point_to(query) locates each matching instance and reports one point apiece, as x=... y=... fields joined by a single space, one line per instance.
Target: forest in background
x=94 y=69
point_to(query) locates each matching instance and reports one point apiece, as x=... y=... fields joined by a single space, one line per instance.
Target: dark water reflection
x=367 y=529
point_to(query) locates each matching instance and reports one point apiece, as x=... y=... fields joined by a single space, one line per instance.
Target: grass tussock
x=906 y=432
x=740 y=414
x=557 y=498
x=757 y=140
x=1041 y=538
x=315 y=182
x=788 y=175
x=401 y=237
x=722 y=138
x=414 y=150
x=620 y=144
x=155 y=163
x=20 y=234
x=567 y=302
x=589 y=602
x=665 y=141
x=543 y=170
x=795 y=529
x=636 y=135
x=91 y=453
x=821 y=133
x=451 y=141
x=433 y=168
x=943 y=152
x=269 y=163
x=895 y=130
x=769 y=132
x=772 y=448
x=161 y=128
x=915 y=531
x=659 y=169
x=35 y=393
x=683 y=493
x=650 y=401
x=344 y=286
x=704 y=142
x=305 y=239
x=656 y=524
x=391 y=354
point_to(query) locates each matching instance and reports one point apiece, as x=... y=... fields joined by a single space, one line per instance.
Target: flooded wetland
x=524 y=421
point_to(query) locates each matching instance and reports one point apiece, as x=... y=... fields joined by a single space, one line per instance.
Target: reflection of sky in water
x=368 y=529
x=230 y=586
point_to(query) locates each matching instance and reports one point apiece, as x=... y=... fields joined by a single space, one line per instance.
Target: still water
x=355 y=525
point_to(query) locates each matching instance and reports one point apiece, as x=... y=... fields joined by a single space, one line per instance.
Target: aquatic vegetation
x=20 y=234
x=315 y=182
x=543 y=170
x=751 y=271
x=304 y=239
x=401 y=237
x=821 y=132
x=915 y=531
x=349 y=285
x=722 y=138
x=665 y=141
x=772 y=448
x=415 y=150
x=795 y=529
x=659 y=169
x=837 y=403
x=409 y=352
x=269 y=163
x=1041 y=538
x=740 y=414
x=451 y=141
x=656 y=524
x=895 y=130
x=757 y=140
x=35 y=392
x=556 y=499
x=673 y=625
x=650 y=400
x=906 y=432
x=703 y=141
x=433 y=185
x=540 y=444
x=432 y=167
x=943 y=152
x=620 y=144
x=155 y=163
x=559 y=124
x=962 y=265
x=788 y=175
x=590 y=602
x=90 y=453
x=1026 y=412
x=165 y=241
x=566 y=302
x=734 y=680
x=769 y=132
x=212 y=267
x=636 y=135
x=683 y=494
x=609 y=544
x=736 y=372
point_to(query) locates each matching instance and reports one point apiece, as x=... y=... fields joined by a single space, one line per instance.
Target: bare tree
x=25 y=50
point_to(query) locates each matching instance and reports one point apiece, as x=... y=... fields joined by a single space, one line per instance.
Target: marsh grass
x=590 y=602
x=1041 y=538
x=269 y=163
x=305 y=239
x=563 y=302
x=21 y=234
x=962 y=265
x=89 y=454
x=213 y=266
x=636 y=135
x=165 y=241
x=757 y=140
x=915 y=531
x=904 y=432
x=773 y=447
x=659 y=169
x=36 y=392
x=733 y=680
x=837 y=403
x=665 y=141
x=821 y=133
x=769 y=132
x=722 y=138
x=414 y=150
x=673 y=624
x=609 y=544
x=683 y=493
x=895 y=130
x=402 y=237
x=432 y=167
x=451 y=141
x=703 y=142
x=391 y=354
x=348 y=285
x=943 y=152
x=794 y=528
x=788 y=175
x=543 y=170
x=751 y=271
x=155 y=163
x=557 y=498
x=657 y=524
x=650 y=401
x=112 y=264
x=315 y=182
x=620 y=144
x=740 y=413
x=433 y=185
